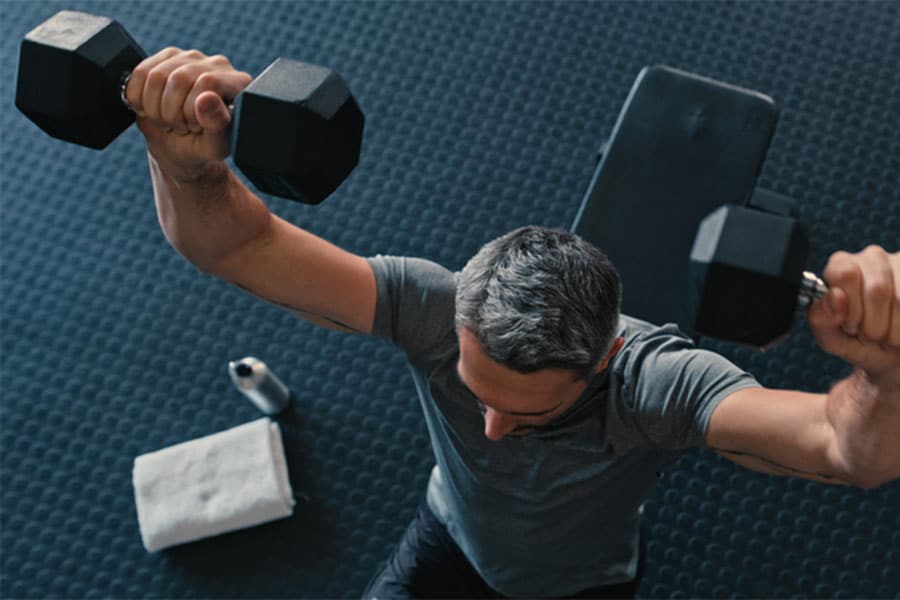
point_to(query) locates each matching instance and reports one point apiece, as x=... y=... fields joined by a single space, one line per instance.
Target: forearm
x=778 y=432
x=206 y=213
x=865 y=416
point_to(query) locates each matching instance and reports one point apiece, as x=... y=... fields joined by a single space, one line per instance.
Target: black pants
x=428 y=564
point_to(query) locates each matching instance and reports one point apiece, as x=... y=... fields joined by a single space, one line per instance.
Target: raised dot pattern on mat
x=481 y=116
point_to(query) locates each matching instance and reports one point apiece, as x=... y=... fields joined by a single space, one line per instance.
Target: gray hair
x=540 y=298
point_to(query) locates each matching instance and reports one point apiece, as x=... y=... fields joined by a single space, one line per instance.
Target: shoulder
x=407 y=270
x=665 y=355
x=415 y=305
x=648 y=342
x=669 y=386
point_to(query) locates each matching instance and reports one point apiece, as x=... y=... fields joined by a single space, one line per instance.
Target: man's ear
x=616 y=346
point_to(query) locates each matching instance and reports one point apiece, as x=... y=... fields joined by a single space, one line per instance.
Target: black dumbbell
x=296 y=130
x=747 y=275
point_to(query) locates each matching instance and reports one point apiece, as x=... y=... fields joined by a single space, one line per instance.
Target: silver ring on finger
x=125 y=79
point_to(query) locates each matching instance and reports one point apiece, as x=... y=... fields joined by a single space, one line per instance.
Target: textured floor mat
x=481 y=116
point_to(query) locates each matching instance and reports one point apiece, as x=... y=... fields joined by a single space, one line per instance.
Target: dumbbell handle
x=811 y=288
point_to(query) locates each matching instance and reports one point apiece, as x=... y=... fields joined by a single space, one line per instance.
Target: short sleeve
x=671 y=387
x=415 y=305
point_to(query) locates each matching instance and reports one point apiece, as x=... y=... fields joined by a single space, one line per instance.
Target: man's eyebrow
x=538 y=413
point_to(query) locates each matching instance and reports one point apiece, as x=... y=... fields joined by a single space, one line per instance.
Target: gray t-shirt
x=556 y=511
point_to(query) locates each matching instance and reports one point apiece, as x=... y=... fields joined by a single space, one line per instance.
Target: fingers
x=844 y=277
x=166 y=86
x=180 y=73
x=864 y=300
x=831 y=310
x=214 y=87
x=210 y=113
x=134 y=91
x=878 y=289
x=894 y=330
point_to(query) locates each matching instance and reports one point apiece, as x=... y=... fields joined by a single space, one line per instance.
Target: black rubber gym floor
x=481 y=116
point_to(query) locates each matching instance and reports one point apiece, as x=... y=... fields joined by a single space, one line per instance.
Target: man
x=549 y=413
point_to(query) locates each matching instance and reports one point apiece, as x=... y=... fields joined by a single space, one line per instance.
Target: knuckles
x=205 y=81
x=219 y=60
x=181 y=77
x=876 y=251
x=156 y=77
x=160 y=69
x=880 y=289
x=842 y=267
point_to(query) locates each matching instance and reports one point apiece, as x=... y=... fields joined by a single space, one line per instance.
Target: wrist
x=887 y=382
x=865 y=418
x=191 y=173
x=870 y=394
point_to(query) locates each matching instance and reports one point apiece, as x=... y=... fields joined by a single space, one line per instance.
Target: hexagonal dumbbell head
x=70 y=73
x=297 y=131
x=746 y=268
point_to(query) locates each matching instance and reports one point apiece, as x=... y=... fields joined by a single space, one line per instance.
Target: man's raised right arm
x=213 y=219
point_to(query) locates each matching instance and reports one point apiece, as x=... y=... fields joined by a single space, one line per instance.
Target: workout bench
x=683 y=146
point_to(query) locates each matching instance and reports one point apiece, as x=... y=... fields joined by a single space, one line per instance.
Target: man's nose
x=497 y=425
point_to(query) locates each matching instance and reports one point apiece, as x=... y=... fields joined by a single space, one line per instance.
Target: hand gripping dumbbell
x=296 y=129
x=747 y=275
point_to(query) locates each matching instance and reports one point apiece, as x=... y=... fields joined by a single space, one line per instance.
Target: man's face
x=514 y=403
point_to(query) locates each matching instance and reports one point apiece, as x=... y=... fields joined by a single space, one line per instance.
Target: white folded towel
x=222 y=482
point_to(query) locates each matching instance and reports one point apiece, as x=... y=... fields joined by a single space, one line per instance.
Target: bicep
x=307 y=275
x=777 y=432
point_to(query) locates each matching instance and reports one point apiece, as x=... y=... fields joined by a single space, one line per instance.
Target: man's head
x=537 y=312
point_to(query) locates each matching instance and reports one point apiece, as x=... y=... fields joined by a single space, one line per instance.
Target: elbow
x=870 y=477
x=869 y=482
x=864 y=470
